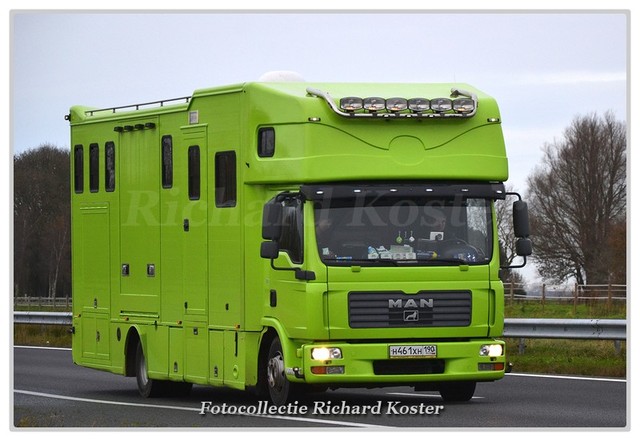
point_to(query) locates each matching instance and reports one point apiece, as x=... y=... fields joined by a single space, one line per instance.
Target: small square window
x=225 y=179
x=266 y=142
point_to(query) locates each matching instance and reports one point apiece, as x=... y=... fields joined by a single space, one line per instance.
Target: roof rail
x=159 y=103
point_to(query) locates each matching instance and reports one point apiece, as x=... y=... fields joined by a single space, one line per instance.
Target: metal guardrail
x=42 y=318
x=593 y=329
x=573 y=329
x=587 y=329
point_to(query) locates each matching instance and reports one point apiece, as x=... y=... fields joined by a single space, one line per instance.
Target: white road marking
x=194 y=409
x=416 y=394
x=569 y=377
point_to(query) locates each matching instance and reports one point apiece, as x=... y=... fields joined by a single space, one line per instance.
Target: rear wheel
x=457 y=391
x=146 y=386
x=150 y=388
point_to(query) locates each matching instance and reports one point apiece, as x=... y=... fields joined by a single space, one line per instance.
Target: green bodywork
x=184 y=276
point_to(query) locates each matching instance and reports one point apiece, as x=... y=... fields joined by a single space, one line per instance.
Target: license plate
x=417 y=351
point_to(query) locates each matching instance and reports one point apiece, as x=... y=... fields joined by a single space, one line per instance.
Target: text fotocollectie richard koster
x=321 y=408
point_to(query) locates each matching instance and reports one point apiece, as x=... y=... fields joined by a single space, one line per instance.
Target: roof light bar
x=419 y=105
x=441 y=105
x=351 y=103
x=461 y=104
x=374 y=104
x=396 y=104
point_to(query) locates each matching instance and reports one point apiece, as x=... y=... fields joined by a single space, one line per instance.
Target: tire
x=147 y=387
x=457 y=391
x=281 y=390
x=150 y=388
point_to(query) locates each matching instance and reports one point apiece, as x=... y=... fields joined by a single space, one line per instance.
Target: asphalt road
x=49 y=391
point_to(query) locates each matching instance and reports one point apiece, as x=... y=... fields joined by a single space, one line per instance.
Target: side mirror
x=272 y=220
x=524 y=247
x=269 y=250
x=521 y=219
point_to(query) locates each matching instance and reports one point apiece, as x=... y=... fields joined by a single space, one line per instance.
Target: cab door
x=296 y=292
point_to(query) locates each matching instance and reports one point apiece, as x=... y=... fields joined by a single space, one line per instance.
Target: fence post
x=544 y=290
x=511 y=291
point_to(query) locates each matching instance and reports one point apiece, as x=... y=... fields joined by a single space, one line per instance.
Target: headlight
x=374 y=104
x=491 y=350
x=396 y=104
x=463 y=105
x=440 y=105
x=351 y=103
x=322 y=354
x=418 y=104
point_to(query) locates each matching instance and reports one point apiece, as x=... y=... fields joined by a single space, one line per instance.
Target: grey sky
x=543 y=68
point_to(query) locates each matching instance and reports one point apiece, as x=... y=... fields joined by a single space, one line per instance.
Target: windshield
x=404 y=231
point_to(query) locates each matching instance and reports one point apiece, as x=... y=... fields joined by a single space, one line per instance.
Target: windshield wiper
x=449 y=260
x=393 y=262
x=347 y=261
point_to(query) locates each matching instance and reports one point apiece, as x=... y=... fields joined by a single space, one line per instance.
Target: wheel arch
x=272 y=329
x=130 y=347
x=268 y=334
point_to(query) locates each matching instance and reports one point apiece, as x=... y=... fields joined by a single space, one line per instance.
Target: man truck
x=287 y=237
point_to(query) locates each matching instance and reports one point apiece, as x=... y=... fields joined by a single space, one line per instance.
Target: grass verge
x=598 y=358
x=55 y=336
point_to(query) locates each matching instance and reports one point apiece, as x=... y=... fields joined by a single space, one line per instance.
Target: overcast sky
x=544 y=68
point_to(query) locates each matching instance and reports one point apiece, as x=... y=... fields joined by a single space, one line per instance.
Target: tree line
x=41 y=223
x=577 y=203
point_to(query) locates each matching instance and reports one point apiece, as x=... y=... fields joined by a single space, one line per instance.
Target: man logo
x=411 y=316
x=411 y=303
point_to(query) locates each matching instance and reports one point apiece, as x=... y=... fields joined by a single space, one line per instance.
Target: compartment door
x=140 y=221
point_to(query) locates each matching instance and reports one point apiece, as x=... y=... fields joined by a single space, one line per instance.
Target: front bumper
x=371 y=363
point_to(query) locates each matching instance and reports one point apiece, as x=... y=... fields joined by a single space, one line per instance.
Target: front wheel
x=281 y=390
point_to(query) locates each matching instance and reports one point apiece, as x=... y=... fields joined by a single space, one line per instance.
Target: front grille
x=395 y=309
x=408 y=367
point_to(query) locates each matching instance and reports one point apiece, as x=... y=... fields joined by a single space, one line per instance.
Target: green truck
x=290 y=237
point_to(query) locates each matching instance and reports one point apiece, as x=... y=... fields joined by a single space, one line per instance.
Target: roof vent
x=281 y=76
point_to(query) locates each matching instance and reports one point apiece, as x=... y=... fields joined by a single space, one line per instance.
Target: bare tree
x=576 y=197
x=41 y=222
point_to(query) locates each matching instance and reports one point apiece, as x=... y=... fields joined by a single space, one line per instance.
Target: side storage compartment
x=176 y=354
x=95 y=337
x=196 y=361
